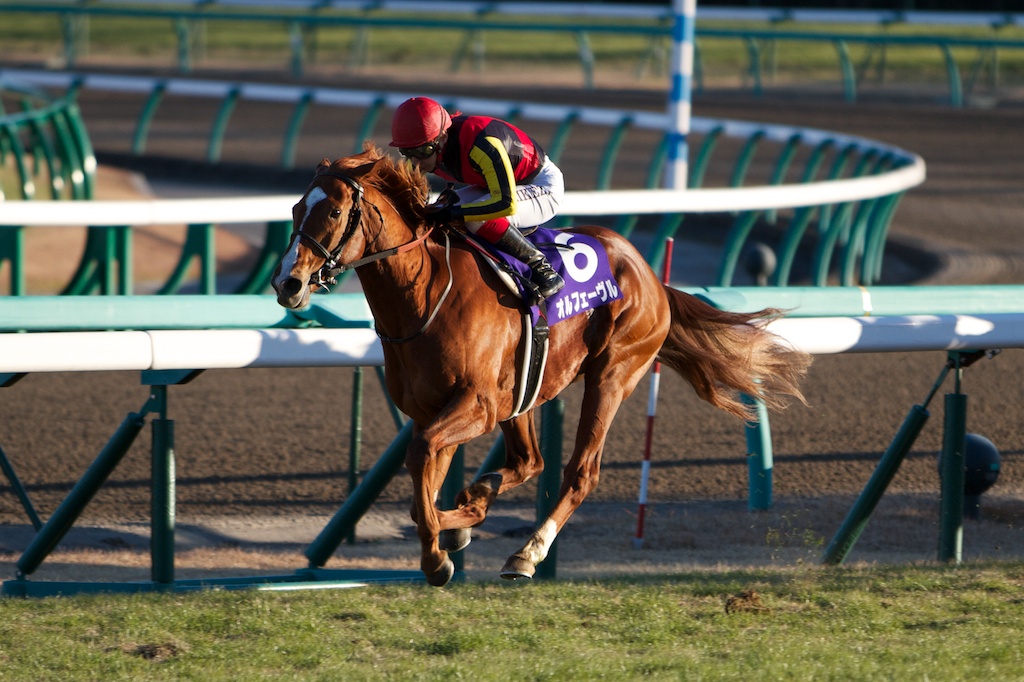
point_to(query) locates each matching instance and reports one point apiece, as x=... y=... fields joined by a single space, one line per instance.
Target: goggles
x=424 y=151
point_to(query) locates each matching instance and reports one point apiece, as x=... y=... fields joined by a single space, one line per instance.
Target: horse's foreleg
x=429 y=455
x=424 y=471
x=523 y=461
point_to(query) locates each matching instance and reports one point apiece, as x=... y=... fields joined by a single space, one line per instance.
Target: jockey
x=511 y=183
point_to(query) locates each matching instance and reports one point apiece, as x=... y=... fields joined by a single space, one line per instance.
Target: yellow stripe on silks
x=865 y=298
x=499 y=178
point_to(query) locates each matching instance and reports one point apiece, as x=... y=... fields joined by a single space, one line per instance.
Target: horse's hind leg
x=604 y=392
x=523 y=461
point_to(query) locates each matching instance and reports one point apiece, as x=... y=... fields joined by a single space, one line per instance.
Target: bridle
x=330 y=270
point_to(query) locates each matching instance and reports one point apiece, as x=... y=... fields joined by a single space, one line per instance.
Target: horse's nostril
x=291 y=286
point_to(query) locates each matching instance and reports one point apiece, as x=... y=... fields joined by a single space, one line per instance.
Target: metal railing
x=46 y=145
x=303 y=20
x=841 y=203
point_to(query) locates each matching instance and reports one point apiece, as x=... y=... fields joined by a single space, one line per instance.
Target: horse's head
x=327 y=233
x=330 y=220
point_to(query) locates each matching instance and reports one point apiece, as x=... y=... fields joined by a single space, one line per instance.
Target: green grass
x=913 y=623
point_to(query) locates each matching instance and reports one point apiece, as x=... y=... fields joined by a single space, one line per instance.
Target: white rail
x=247 y=348
x=233 y=210
x=910 y=170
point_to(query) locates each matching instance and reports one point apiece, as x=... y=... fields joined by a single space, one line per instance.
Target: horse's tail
x=721 y=353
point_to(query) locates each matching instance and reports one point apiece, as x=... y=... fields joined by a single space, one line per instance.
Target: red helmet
x=417 y=121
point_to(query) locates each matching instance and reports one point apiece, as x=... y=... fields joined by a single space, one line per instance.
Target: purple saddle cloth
x=583 y=264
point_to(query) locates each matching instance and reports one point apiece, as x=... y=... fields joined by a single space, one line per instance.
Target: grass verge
x=919 y=622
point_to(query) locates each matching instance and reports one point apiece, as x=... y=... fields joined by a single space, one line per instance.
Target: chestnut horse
x=451 y=331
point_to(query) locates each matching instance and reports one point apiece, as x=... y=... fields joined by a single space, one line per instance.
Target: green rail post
x=611 y=152
x=561 y=134
x=9 y=132
x=857 y=519
x=760 y=462
x=874 y=250
x=161 y=542
x=951 y=469
x=586 y=53
x=368 y=123
x=199 y=243
x=549 y=481
x=355 y=439
x=146 y=117
x=291 y=136
x=296 y=44
x=72 y=157
x=473 y=45
x=956 y=94
x=846 y=71
x=19 y=490
x=754 y=70
x=183 y=31
x=356 y=505
x=275 y=243
x=220 y=125
x=81 y=494
x=12 y=249
x=830 y=222
x=798 y=225
x=360 y=48
x=844 y=540
x=46 y=152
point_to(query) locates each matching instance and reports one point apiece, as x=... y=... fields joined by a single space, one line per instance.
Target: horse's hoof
x=443 y=575
x=454 y=539
x=517 y=567
x=492 y=481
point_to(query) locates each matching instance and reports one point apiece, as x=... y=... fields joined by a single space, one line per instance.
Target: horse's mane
x=404 y=185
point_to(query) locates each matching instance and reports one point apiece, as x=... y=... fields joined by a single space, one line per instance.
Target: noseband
x=330 y=270
x=328 y=273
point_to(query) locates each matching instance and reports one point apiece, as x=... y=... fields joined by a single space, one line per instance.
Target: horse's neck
x=399 y=289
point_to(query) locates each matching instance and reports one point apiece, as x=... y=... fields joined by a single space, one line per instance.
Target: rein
x=332 y=268
x=437 y=306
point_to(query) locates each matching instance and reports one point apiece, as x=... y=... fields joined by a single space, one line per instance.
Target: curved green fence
x=45 y=153
x=844 y=234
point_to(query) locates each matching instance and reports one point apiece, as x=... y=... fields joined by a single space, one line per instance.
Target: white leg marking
x=536 y=550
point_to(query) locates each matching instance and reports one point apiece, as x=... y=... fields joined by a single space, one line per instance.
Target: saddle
x=533 y=351
x=589 y=283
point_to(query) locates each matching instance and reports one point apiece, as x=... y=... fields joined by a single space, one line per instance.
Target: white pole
x=652 y=408
x=677 y=167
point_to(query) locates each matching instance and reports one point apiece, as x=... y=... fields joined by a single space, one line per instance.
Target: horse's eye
x=335 y=214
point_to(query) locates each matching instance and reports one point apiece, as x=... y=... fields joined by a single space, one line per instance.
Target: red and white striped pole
x=652 y=405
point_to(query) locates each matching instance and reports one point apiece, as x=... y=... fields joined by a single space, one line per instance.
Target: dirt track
x=257 y=445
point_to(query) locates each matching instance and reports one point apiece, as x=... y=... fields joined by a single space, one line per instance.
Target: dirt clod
x=745 y=602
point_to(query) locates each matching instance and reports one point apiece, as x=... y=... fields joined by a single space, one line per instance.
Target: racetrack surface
x=262 y=455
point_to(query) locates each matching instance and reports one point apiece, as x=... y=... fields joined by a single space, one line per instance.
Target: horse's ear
x=324 y=165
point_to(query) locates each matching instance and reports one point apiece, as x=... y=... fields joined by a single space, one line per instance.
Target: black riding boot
x=515 y=244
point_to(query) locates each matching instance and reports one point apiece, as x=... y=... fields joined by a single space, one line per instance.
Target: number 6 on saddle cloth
x=589 y=283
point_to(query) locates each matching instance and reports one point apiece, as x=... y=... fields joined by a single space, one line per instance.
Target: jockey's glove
x=443 y=214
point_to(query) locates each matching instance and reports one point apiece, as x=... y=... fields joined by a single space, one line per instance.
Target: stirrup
x=547 y=280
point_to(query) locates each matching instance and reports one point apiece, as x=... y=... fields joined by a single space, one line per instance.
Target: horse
x=450 y=331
